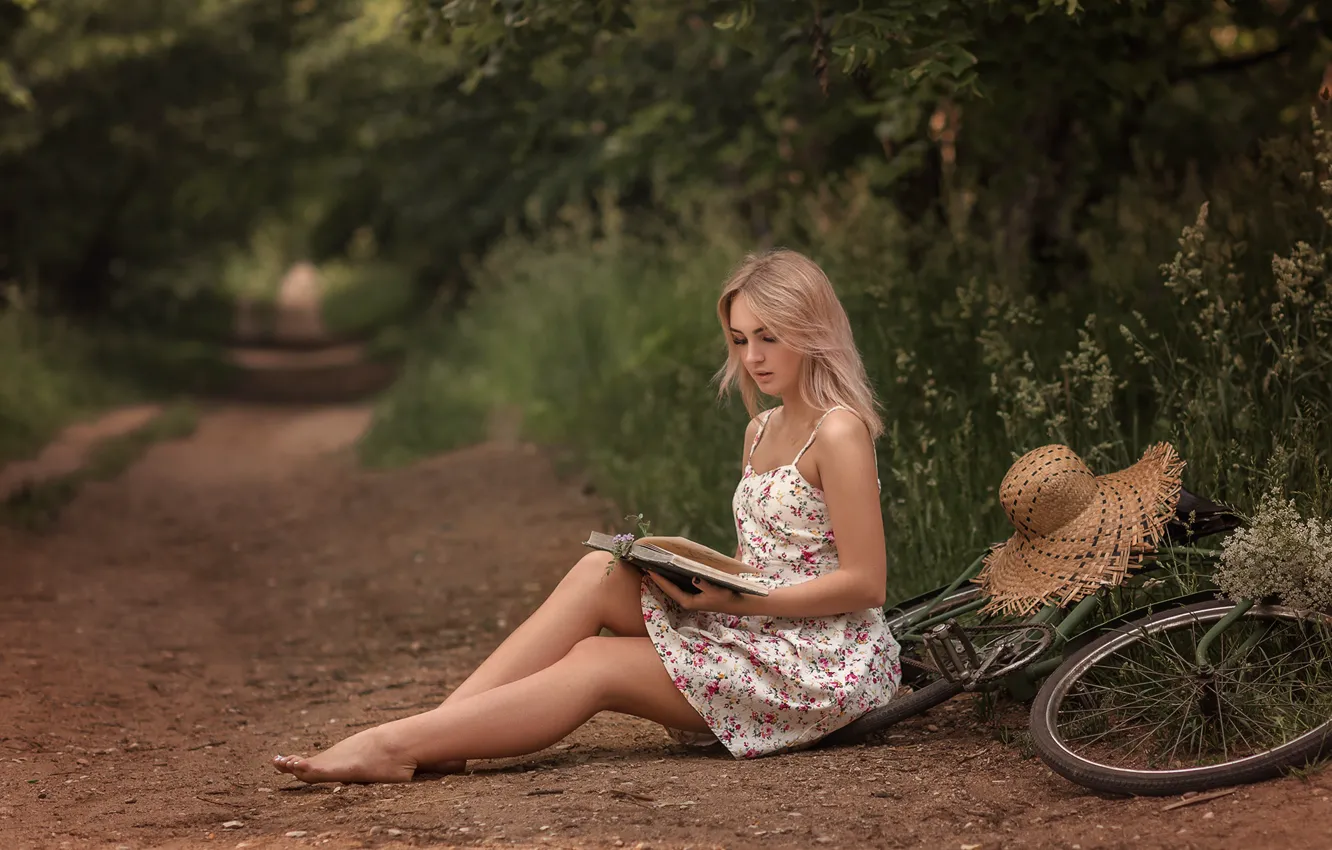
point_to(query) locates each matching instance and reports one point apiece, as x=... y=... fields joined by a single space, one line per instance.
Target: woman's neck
x=797 y=411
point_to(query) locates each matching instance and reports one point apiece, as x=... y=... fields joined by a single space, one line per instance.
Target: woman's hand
x=711 y=597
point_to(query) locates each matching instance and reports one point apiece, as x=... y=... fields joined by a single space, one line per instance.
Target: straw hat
x=1076 y=532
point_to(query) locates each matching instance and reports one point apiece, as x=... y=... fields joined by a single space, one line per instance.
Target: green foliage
x=362 y=298
x=1046 y=104
x=149 y=131
x=38 y=505
x=993 y=185
x=144 y=137
x=438 y=404
x=604 y=342
x=57 y=372
x=49 y=380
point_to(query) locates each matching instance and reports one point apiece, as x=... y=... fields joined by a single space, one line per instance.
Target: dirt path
x=250 y=591
x=70 y=451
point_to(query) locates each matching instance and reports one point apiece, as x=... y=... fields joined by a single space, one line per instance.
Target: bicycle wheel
x=1133 y=712
x=899 y=708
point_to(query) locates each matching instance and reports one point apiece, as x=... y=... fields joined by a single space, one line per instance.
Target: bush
x=363 y=298
x=605 y=341
x=57 y=372
x=49 y=380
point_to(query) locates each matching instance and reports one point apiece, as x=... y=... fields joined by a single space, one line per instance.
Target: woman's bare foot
x=363 y=757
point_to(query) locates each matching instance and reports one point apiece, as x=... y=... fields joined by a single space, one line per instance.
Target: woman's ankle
x=405 y=741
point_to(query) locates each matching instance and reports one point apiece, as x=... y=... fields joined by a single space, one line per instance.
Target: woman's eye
x=738 y=341
x=769 y=339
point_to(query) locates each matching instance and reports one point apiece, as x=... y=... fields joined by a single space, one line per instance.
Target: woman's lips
x=760 y=376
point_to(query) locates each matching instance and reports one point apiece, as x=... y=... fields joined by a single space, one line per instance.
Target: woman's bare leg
x=586 y=600
x=622 y=674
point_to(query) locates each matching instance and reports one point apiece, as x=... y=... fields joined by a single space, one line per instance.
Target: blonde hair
x=794 y=300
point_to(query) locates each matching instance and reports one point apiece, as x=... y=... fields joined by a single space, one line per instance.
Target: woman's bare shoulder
x=751 y=431
x=752 y=428
x=844 y=428
x=844 y=451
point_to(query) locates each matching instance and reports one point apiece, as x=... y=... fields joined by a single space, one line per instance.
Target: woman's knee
x=595 y=571
x=590 y=566
x=612 y=591
x=595 y=663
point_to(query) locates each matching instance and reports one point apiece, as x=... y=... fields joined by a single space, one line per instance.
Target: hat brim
x=1095 y=549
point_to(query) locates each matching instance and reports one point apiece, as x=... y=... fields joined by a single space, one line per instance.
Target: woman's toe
x=286 y=764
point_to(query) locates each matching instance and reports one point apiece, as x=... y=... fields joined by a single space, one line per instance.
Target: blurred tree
x=138 y=131
x=135 y=134
x=1042 y=108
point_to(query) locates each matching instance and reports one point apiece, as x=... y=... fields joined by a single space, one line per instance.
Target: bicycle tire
x=897 y=709
x=919 y=699
x=1086 y=771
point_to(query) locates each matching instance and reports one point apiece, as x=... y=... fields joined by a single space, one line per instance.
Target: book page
x=646 y=556
x=699 y=553
x=649 y=556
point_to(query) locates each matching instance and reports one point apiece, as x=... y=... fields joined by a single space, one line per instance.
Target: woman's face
x=773 y=366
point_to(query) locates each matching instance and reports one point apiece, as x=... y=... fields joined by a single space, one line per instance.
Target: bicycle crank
x=961 y=656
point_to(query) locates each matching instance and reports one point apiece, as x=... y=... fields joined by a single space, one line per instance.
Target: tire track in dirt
x=250 y=590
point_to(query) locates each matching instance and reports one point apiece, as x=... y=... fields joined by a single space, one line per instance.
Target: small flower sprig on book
x=623 y=544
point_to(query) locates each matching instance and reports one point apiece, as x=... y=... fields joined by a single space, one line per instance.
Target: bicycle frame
x=925 y=618
x=1023 y=684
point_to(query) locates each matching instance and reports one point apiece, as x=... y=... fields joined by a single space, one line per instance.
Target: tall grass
x=1204 y=324
x=54 y=372
x=47 y=381
x=36 y=505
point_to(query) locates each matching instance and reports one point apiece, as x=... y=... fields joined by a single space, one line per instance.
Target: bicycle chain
x=931 y=668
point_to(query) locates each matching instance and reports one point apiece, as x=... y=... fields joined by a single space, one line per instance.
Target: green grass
x=37 y=505
x=48 y=381
x=605 y=346
x=57 y=372
x=364 y=299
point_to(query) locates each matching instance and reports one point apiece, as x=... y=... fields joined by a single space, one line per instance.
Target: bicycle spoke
x=1147 y=704
x=1221 y=727
x=1178 y=735
x=1131 y=693
x=1154 y=731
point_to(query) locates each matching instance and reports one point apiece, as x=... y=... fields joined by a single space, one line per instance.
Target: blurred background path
x=250 y=589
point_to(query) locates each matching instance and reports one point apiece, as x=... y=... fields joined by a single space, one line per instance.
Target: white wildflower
x=1279 y=554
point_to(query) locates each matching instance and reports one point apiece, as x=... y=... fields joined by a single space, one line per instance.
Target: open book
x=681 y=560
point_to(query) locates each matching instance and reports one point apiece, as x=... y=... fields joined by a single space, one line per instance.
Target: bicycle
x=1087 y=656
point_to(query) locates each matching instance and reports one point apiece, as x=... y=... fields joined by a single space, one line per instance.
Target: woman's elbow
x=876 y=595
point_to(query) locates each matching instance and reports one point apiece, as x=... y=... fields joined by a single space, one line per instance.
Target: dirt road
x=250 y=591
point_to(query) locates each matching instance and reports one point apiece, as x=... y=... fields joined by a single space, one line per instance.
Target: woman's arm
x=845 y=463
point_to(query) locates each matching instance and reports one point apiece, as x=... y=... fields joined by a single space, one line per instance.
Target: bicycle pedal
x=952 y=652
x=955 y=656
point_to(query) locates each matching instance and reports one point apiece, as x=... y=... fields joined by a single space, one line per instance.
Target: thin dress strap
x=758 y=435
x=813 y=434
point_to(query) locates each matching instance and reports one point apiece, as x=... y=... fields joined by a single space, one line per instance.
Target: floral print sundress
x=769 y=684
